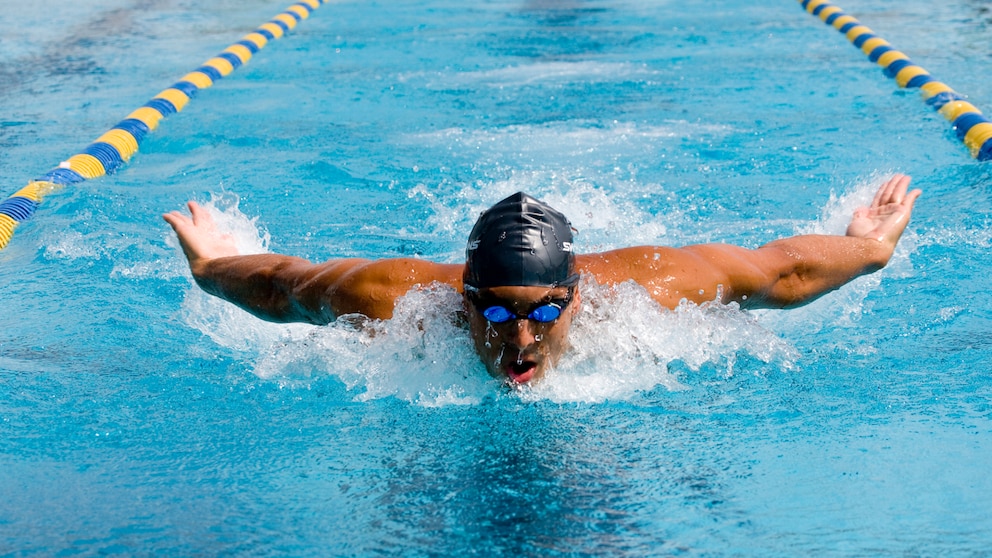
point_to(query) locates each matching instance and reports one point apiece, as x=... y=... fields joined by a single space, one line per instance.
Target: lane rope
x=116 y=147
x=970 y=125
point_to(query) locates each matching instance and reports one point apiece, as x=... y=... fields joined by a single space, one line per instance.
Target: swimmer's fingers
x=894 y=216
x=200 y=221
x=896 y=198
x=201 y=217
x=891 y=197
x=911 y=198
x=893 y=191
x=177 y=220
x=198 y=234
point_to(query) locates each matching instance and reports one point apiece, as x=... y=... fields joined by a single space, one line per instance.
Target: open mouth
x=521 y=372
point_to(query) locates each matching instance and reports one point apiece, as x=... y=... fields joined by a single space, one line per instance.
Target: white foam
x=580 y=143
x=72 y=245
x=540 y=72
x=422 y=355
x=623 y=343
x=603 y=220
x=839 y=209
x=248 y=236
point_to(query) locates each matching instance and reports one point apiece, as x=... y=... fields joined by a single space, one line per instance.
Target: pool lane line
x=116 y=147
x=970 y=125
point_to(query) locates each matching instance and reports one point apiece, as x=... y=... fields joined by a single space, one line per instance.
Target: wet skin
x=784 y=273
x=520 y=350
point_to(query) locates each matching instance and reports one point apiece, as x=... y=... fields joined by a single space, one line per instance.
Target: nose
x=521 y=333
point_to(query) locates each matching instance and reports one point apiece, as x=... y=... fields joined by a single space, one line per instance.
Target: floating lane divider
x=114 y=148
x=972 y=128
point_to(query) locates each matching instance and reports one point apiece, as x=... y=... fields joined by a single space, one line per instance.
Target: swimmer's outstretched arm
x=781 y=274
x=794 y=271
x=284 y=289
x=260 y=284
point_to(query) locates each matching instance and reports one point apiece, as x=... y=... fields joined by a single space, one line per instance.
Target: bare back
x=668 y=274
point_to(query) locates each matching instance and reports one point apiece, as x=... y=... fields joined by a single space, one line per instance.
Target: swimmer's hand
x=888 y=215
x=199 y=237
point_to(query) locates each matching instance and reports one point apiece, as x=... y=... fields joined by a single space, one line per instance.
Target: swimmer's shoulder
x=371 y=287
x=669 y=274
x=628 y=263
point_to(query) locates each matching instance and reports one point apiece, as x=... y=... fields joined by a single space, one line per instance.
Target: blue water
x=139 y=416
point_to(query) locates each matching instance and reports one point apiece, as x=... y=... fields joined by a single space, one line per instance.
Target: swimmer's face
x=520 y=350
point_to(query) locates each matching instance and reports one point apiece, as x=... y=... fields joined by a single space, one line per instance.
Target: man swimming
x=521 y=278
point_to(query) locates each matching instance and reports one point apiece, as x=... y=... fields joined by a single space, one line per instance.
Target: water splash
x=623 y=344
x=604 y=219
x=845 y=307
x=423 y=355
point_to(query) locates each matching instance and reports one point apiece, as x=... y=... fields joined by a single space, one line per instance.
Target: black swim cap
x=520 y=241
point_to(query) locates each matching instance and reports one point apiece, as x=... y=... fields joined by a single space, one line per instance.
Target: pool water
x=139 y=416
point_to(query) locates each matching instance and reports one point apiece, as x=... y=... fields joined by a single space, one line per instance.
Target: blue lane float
x=115 y=148
x=970 y=125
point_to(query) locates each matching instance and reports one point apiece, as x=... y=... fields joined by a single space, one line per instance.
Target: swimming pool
x=141 y=417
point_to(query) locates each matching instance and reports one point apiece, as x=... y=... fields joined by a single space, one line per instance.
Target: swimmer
x=521 y=278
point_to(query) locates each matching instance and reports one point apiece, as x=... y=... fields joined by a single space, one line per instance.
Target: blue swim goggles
x=543 y=313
